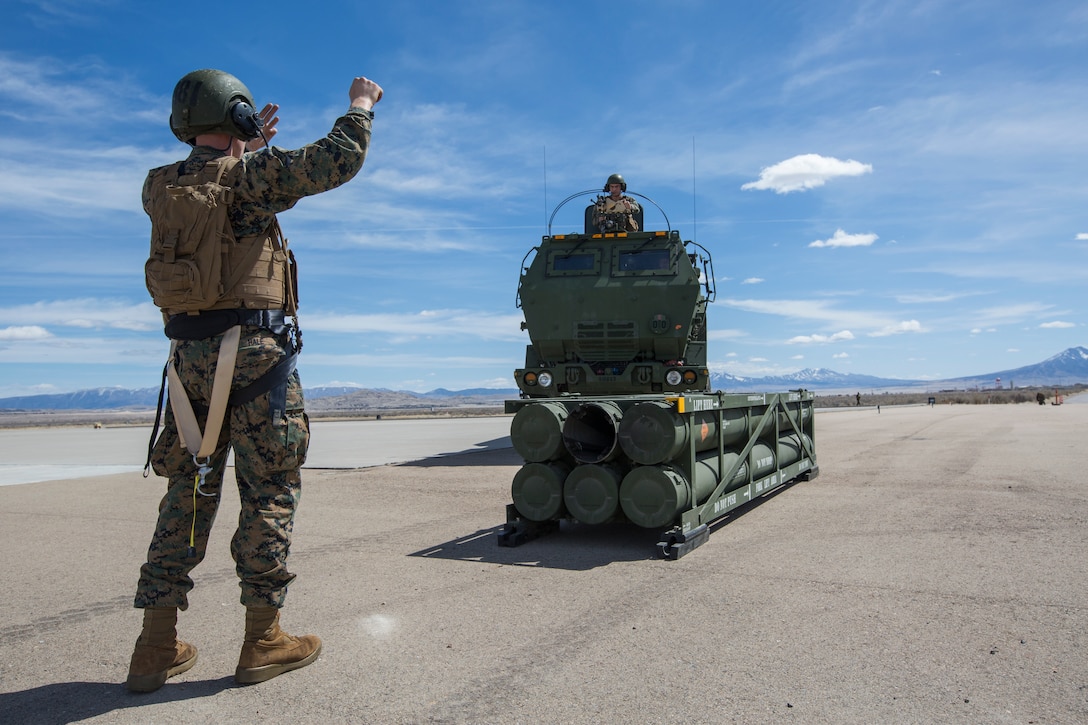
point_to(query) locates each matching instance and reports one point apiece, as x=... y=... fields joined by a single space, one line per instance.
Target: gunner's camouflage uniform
x=267 y=454
x=625 y=205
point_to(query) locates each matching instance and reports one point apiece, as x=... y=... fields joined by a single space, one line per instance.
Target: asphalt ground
x=935 y=572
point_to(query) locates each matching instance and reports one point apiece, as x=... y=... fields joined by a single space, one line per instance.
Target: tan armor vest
x=196 y=263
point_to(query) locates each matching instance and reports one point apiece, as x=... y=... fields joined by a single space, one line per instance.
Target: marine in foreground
x=222 y=274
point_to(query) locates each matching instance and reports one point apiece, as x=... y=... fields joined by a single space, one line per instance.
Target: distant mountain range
x=1066 y=368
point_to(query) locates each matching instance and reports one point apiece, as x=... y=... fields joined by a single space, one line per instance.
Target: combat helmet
x=615 y=179
x=213 y=101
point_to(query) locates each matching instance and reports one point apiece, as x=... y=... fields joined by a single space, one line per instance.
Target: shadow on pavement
x=66 y=702
x=574 y=547
x=495 y=452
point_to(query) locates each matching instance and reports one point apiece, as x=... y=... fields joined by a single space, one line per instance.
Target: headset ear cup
x=245 y=120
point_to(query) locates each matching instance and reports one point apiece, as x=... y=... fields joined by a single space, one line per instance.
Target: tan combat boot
x=269 y=651
x=159 y=654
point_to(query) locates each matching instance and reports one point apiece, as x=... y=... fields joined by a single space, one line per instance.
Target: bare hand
x=269 y=119
x=364 y=93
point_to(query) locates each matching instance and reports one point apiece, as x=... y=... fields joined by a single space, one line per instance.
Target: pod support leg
x=674 y=543
x=518 y=530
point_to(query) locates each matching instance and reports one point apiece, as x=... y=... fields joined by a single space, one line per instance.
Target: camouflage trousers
x=267 y=457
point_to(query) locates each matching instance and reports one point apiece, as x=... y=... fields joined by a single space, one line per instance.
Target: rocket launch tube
x=537 y=431
x=591 y=430
x=654 y=432
x=592 y=492
x=537 y=490
x=652 y=496
x=790 y=450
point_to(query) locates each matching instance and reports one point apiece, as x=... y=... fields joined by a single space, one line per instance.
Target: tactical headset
x=245 y=119
x=615 y=179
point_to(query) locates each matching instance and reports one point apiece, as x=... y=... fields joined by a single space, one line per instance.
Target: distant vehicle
x=617 y=420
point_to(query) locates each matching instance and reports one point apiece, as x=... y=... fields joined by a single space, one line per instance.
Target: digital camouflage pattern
x=267 y=458
x=268 y=454
x=272 y=180
x=267 y=462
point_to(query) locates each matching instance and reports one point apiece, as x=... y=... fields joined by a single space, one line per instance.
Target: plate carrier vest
x=196 y=264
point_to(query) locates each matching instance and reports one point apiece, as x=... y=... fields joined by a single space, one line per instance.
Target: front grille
x=612 y=340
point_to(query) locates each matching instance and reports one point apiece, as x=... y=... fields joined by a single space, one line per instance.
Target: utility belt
x=215 y=322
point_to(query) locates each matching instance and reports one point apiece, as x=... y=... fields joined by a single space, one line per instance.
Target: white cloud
x=897 y=328
x=86 y=313
x=840 y=355
x=842 y=239
x=724 y=334
x=1082 y=237
x=26 y=332
x=753 y=280
x=806 y=171
x=425 y=323
x=1011 y=314
x=808 y=339
x=83 y=350
x=1056 y=325
x=924 y=299
x=815 y=309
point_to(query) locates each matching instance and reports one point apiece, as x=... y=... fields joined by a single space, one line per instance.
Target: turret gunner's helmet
x=615 y=179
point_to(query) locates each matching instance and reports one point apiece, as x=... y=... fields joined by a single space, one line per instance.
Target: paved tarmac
x=935 y=572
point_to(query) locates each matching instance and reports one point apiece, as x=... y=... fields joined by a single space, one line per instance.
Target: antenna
x=694 y=218
x=545 y=187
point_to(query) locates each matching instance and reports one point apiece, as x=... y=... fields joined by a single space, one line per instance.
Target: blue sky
x=887 y=188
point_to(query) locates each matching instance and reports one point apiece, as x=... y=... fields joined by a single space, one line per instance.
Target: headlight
x=530 y=378
x=690 y=376
x=545 y=379
x=673 y=377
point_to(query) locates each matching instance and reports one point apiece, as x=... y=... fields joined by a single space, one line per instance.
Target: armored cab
x=618 y=313
x=617 y=420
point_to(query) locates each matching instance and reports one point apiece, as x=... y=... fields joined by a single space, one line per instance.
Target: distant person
x=859 y=398
x=616 y=212
x=223 y=277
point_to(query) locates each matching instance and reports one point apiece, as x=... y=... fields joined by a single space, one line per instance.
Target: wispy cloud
x=1013 y=314
x=25 y=332
x=820 y=310
x=425 y=323
x=822 y=339
x=85 y=313
x=932 y=298
x=898 y=328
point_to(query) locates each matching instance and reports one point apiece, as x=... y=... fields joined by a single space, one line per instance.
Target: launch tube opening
x=590 y=433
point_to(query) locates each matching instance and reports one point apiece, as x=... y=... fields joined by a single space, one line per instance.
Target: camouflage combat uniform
x=625 y=205
x=267 y=453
